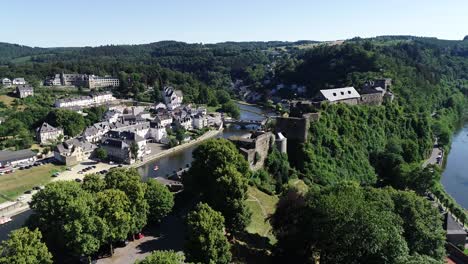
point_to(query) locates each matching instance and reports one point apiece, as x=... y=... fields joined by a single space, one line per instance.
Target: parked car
x=78 y=180
x=28 y=192
x=37 y=188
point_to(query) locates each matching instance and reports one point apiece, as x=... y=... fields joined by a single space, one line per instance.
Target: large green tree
x=113 y=206
x=24 y=247
x=163 y=257
x=72 y=122
x=219 y=173
x=66 y=216
x=129 y=181
x=93 y=183
x=206 y=242
x=160 y=200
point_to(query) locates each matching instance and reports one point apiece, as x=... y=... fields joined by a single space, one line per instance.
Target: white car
x=21 y=198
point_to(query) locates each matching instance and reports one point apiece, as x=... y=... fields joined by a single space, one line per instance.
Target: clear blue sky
x=52 y=23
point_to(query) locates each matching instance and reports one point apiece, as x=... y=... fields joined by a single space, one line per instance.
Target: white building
x=199 y=121
x=19 y=81
x=160 y=106
x=101 y=98
x=347 y=95
x=48 y=134
x=164 y=120
x=157 y=131
x=6 y=82
x=172 y=98
x=99 y=82
x=18 y=158
x=185 y=122
x=24 y=90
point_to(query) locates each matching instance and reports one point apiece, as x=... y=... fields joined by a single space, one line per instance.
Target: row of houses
x=16 y=81
x=94 y=99
x=82 y=80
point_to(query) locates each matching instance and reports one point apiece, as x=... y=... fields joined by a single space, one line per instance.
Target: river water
x=176 y=161
x=455 y=175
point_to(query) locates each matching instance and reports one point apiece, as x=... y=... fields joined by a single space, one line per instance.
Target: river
x=455 y=175
x=176 y=161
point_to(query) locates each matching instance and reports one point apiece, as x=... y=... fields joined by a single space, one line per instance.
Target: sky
x=73 y=23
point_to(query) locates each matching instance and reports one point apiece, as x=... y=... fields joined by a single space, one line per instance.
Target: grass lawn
x=14 y=184
x=262 y=206
x=466 y=251
x=7 y=100
x=299 y=184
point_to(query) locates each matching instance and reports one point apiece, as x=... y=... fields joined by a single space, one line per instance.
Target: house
x=164 y=119
x=24 y=90
x=95 y=132
x=160 y=106
x=53 y=81
x=112 y=116
x=73 y=79
x=157 y=131
x=347 y=95
x=119 y=146
x=372 y=96
x=6 y=82
x=73 y=151
x=173 y=98
x=18 y=158
x=19 y=81
x=184 y=122
x=47 y=133
x=139 y=128
x=102 y=97
x=199 y=121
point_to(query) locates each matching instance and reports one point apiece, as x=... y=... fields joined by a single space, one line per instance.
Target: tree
x=333 y=224
x=231 y=109
x=66 y=216
x=129 y=181
x=163 y=257
x=222 y=96
x=24 y=247
x=421 y=223
x=160 y=200
x=278 y=165
x=113 y=206
x=101 y=154
x=219 y=174
x=71 y=122
x=93 y=183
x=134 y=150
x=206 y=242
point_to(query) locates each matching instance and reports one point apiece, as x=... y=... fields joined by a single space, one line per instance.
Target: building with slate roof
x=18 y=158
x=25 y=90
x=48 y=134
x=118 y=145
x=73 y=151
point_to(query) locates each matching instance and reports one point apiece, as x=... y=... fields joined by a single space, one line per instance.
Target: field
x=262 y=206
x=15 y=184
x=7 y=100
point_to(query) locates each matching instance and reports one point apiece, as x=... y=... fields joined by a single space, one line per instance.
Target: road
x=436 y=151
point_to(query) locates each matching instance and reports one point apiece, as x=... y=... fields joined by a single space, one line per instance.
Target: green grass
x=299 y=185
x=466 y=251
x=262 y=206
x=14 y=184
x=7 y=100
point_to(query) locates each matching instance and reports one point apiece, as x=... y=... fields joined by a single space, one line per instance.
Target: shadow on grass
x=251 y=248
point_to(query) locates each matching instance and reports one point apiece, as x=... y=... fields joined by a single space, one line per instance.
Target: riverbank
x=156 y=156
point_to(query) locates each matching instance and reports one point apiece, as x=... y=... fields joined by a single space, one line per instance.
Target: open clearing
x=262 y=206
x=14 y=184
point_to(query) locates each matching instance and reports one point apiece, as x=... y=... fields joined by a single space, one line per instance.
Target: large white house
x=173 y=98
x=19 y=81
x=85 y=101
x=6 y=82
x=157 y=131
x=48 y=134
x=347 y=95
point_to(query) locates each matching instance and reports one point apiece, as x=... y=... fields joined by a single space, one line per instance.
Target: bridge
x=244 y=123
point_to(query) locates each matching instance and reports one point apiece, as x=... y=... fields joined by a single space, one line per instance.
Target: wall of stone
x=372 y=99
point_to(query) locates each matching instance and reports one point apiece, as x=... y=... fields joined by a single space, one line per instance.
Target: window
x=349 y=92
x=334 y=94
x=342 y=93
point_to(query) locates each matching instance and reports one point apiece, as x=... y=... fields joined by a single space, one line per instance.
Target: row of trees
x=101 y=211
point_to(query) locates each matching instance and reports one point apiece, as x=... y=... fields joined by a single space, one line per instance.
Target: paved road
x=433 y=158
